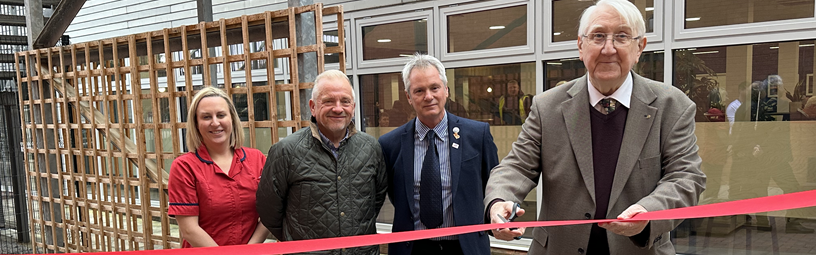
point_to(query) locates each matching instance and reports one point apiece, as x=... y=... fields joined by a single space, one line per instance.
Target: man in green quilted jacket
x=326 y=180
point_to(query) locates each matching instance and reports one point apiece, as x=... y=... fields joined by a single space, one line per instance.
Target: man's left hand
x=629 y=228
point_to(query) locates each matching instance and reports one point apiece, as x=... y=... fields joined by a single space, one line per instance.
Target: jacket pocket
x=649 y=172
x=649 y=163
x=304 y=217
x=540 y=237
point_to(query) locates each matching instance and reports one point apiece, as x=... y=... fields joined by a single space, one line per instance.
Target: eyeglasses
x=618 y=40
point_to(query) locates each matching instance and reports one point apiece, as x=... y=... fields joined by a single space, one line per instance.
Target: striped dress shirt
x=420 y=148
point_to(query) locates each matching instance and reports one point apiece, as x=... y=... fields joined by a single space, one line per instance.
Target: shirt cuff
x=189 y=209
x=487 y=212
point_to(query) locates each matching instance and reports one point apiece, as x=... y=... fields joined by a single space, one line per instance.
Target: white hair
x=331 y=75
x=628 y=12
x=422 y=61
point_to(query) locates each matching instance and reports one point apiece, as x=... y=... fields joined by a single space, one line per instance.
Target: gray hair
x=331 y=75
x=775 y=79
x=422 y=61
x=628 y=12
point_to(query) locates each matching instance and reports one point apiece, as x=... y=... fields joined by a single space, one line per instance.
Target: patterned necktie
x=430 y=186
x=608 y=105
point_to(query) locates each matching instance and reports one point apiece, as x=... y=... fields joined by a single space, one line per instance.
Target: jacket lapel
x=455 y=154
x=638 y=123
x=408 y=161
x=576 y=117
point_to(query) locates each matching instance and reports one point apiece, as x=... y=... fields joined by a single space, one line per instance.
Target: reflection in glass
x=755 y=138
x=260 y=103
x=561 y=71
x=488 y=29
x=566 y=15
x=702 y=13
x=395 y=39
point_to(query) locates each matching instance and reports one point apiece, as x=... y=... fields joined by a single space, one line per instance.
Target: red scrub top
x=224 y=204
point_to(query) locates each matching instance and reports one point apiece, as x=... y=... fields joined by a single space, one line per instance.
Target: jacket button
x=581 y=250
x=338 y=178
x=587 y=216
x=342 y=214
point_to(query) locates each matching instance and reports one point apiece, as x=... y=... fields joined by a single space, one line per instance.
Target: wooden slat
x=171 y=87
x=271 y=104
x=293 y=66
x=144 y=181
x=135 y=88
x=248 y=81
x=341 y=33
x=83 y=189
x=47 y=159
x=24 y=133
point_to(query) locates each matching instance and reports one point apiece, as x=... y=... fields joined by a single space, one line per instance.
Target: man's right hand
x=505 y=210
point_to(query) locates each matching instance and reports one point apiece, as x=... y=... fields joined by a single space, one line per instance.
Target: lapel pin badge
x=456 y=135
x=455 y=145
x=647 y=116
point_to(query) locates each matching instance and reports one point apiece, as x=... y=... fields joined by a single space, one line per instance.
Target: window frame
x=528 y=48
x=655 y=37
x=388 y=18
x=756 y=29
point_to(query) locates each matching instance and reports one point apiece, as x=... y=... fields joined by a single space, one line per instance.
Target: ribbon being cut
x=748 y=206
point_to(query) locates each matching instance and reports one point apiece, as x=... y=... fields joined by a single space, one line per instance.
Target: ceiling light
x=557 y=33
x=651 y=8
x=405 y=55
x=489 y=90
x=706 y=52
x=774 y=47
x=384 y=40
x=161 y=89
x=554 y=63
x=806 y=45
x=693 y=19
x=496 y=27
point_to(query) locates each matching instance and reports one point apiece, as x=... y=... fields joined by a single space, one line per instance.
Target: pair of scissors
x=516 y=206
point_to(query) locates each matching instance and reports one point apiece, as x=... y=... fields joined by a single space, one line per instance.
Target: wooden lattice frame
x=86 y=91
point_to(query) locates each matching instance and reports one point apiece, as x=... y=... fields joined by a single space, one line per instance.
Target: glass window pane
x=566 y=15
x=702 y=13
x=395 y=39
x=755 y=131
x=488 y=29
x=561 y=71
x=331 y=39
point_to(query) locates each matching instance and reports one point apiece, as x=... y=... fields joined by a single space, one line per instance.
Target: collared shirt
x=224 y=203
x=420 y=148
x=330 y=144
x=623 y=95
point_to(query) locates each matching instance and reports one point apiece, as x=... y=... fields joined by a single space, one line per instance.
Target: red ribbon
x=754 y=205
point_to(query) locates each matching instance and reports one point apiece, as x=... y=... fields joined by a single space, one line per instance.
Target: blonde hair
x=194 y=135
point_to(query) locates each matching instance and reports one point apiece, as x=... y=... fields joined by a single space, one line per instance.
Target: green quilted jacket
x=305 y=193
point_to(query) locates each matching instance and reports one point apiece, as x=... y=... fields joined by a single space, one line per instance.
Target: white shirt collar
x=623 y=95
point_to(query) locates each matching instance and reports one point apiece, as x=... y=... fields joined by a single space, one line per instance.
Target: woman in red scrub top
x=212 y=187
